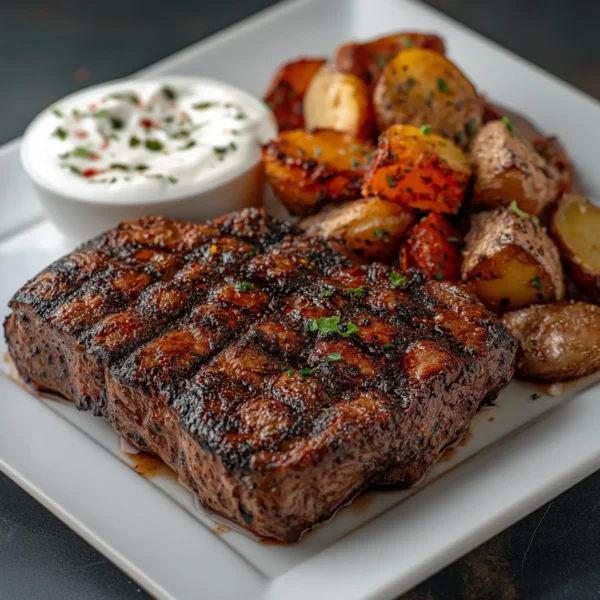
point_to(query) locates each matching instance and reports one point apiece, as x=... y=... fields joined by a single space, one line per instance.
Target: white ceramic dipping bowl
x=81 y=210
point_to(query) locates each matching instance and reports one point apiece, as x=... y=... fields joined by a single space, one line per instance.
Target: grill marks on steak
x=149 y=326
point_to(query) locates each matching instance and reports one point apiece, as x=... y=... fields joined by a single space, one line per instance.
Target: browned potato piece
x=558 y=341
x=366 y=60
x=310 y=170
x=338 y=101
x=507 y=167
x=575 y=227
x=285 y=93
x=370 y=228
x=510 y=261
x=419 y=169
x=422 y=87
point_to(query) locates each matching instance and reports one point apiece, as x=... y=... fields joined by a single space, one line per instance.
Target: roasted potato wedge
x=422 y=87
x=369 y=229
x=367 y=60
x=285 y=93
x=433 y=247
x=307 y=171
x=510 y=261
x=339 y=101
x=508 y=168
x=575 y=227
x=558 y=341
x=419 y=169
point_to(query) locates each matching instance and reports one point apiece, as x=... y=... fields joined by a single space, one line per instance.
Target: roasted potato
x=419 y=169
x=370 y=229
x=558 y=341
x=366 y=60
x=433 y=247
x=507 y=168
x=307 y=171
x=422 y=87
x=339 y=101
x=555 y=155
x=285 y=93
x=575 y=227
x=510 y=261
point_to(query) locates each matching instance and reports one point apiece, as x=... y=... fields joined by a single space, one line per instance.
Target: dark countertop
x=56 y=47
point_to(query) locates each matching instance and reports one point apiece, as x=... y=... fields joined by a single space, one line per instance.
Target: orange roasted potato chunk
x=419 y=169
x=575 y=227
x=308 y=171
x=285 y=94
x=369 y=229
x=433 y=247
x=366 y=60
x=339 y=101
x=422 y=87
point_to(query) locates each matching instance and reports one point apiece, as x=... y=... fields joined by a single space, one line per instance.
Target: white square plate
x=521 y=453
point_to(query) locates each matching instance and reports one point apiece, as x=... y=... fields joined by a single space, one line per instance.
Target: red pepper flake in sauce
x=147 y=123
x=92 y=172
x=105 y=144
x=81 y=134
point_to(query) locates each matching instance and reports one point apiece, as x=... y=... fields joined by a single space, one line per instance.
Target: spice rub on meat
x=274 y=376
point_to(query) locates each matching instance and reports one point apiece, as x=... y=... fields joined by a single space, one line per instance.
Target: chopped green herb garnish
x=508 y=124
x=379 y=60
x=471 y=127
x=426 y=129
x=141 y=167
x=153 y=145
x=134 y=141
x=439 y=276
x=290 y=372
x=73 y=169
x=220 y=150
x=398 y=280
x=388 y=346
x=390 y=181
x=172 y=179
x=203 y=105
x=57 y=113
x=189 y=145
x=536 y=282
x=80 y=152
x=307 y=372
x=243 y=286
x=64 y=156
x=408 y=43
x=359 y=291
x=100 y=114
x=327 y=293
x=382 y=234
x=128 y=96
x=458 y=137
x=168 y=92
x=119 y=166
x=232 y=146
x=116 y=123
x=240 y=116
x=60 y=133
x=452 y=239
x=535 y=396
x=253 y=252
x=515 y=208
x=442 y=84
x=326 y=325
x=333 y=357
x=354 y=162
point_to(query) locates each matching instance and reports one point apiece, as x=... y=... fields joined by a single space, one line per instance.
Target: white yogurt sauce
x=145 y=139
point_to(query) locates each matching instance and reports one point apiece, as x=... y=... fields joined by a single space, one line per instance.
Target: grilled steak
x=213 y=346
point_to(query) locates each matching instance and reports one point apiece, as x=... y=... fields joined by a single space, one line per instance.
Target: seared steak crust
x=195 y=342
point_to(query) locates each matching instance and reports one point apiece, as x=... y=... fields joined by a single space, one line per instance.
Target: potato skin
x=557 y=342
x=508 y=168
x=575 y=227
x=420 y=170
x=339 y=101
x=433 y=247
x=369 y=229
x=366 y=60
x=285 y=93
x=509 y=261
x=308 y=171
x=422 y=87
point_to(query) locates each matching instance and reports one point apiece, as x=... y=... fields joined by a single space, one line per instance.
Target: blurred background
x=54 y=47
x=51 y=48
